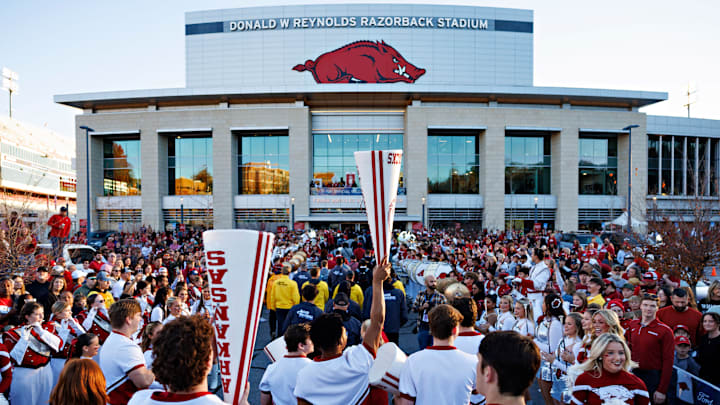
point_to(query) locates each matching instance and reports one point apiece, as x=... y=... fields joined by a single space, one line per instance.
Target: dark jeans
x=272 y=322
x=424 y=337
x=281 y=314
x=651 y=378
x=57 y=245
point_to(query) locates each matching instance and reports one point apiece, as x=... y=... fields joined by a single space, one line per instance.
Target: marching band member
x=96 y=319
x=31 y=346
x=535 y=283
x=67 y=329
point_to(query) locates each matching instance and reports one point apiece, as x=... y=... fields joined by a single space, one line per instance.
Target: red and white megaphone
x=238 y=263
x=379 y=172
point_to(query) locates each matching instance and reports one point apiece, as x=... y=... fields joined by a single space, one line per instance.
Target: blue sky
x=84 y=46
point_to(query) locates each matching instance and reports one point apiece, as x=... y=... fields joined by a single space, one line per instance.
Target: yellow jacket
x=268 y=290
x=323 y=294
x=356 y=294
x=284 y=293
x=399 y=285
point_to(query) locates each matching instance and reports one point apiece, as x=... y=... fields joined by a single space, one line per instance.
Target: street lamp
x=292 y=214
x=87 y=175
x=182 y=212
x=536 y=200
x=629 y=209
x=423 y=212
x=654 y=209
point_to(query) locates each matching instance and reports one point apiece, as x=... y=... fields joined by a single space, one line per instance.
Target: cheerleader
x=31 y=346
x=175 y=307
x=505 y=320
x=548 y=335
x=68 y=329
x=605 y=378
x=96 y=319
x=204 y=306
x=524 y=323
x=145 y=299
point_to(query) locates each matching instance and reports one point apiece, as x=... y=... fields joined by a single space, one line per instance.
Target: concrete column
x=300 y=146
x=564 y=148
x=638 y=170
x=224 y=177
x=96 y=171
x=492 y=176
x=154 y=154
x=415 y=170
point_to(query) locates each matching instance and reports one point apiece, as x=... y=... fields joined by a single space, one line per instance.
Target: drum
x=276 y=349
x=385 y=371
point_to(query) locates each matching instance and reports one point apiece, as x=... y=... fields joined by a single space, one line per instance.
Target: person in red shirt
x=679 y=313
x=653 y=348
x=59 y=230
x=605 y=375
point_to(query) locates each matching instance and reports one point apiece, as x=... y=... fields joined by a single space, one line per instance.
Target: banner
x=237 y=263
x=379 y=174
x=694 y=390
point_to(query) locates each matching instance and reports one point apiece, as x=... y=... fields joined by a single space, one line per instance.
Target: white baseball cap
x=77 y=274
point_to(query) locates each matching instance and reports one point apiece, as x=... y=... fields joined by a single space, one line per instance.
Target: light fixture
x=377 y=138
x=329 y=138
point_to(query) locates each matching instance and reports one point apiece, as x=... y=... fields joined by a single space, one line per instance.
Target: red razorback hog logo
x=362 y=62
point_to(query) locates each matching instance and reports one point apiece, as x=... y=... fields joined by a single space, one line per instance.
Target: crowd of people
x=583 y=324
x=606 y=321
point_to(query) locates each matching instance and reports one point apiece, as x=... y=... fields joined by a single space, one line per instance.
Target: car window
x=79 y=255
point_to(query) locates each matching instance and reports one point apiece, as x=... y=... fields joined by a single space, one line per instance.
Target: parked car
x=72 y=253
x=98 y=238
x=567 y=239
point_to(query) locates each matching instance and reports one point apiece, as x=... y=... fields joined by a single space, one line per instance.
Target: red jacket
x=692 y=318
x=60 y=226
x=653 y=347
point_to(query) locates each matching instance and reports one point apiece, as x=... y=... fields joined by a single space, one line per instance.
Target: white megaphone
x=379 y=173
x=237 y=263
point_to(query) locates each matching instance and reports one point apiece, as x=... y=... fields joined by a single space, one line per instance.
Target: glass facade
x=122 y=174
x=685 y=165
x=453 y=164
x=527 y=165
x=334 y=161
x=190 y=165
x=597 y=166
x=263 y=164
x=653 y=164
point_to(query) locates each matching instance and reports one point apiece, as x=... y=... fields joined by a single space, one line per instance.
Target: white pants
x=57 y=366
x=537 y=300
x=31 y=386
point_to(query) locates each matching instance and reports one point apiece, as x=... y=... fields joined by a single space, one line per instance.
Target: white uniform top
x=279 y=379
x=342 y=380
x=505 y=321
x=118 y=357
x=117 y=289
x=469 y=342
x=154 y=397
x=524 y=327
x=438 y=375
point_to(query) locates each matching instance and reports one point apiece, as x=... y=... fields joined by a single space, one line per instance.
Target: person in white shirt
x=337 y=376
x=535 y=283
x=186 y=385
x=468 y=339
x=548 y=335
x=524 y=323
x=506 y=366
x=565 y=356
x=121 y=360
x=440 y=374
x=505 y=319
x=278 y=381
x=119 y=286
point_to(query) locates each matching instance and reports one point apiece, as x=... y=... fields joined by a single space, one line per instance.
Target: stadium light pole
x=629 y=205
x=536 y=200
x=292 y=214
x=182 y=212
x=87 y=176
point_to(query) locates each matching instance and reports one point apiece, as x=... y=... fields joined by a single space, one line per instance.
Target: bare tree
x=690 y=238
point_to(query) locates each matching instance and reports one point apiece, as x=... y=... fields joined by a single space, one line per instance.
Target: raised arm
x=377 y=308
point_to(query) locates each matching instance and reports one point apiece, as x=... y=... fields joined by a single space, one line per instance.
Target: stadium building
x=36 y=173
x=278 y=98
